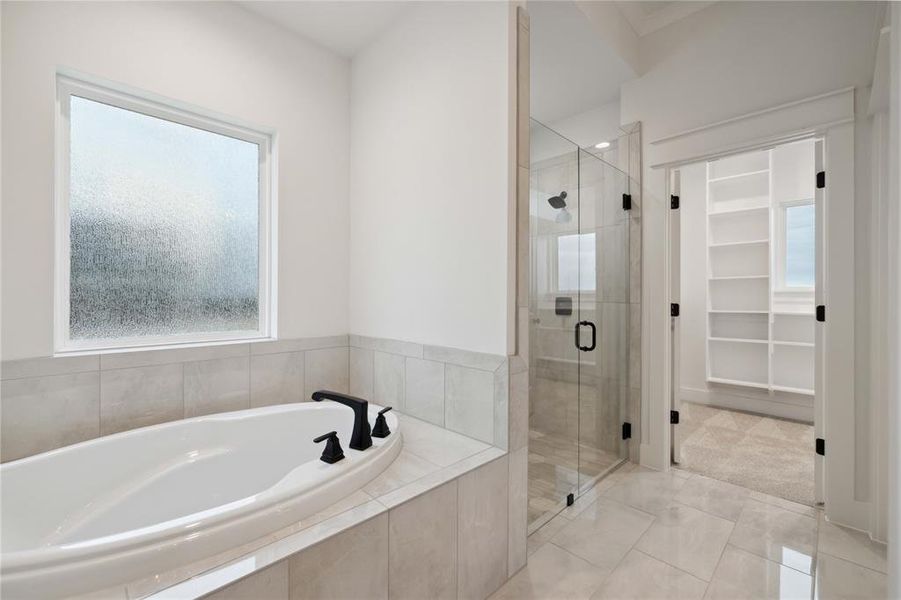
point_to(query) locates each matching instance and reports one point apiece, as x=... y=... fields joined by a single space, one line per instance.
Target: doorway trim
x=828 y=116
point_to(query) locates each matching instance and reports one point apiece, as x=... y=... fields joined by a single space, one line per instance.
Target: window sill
x=161 y=347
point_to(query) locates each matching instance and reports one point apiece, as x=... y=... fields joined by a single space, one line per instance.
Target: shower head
x=557 y=201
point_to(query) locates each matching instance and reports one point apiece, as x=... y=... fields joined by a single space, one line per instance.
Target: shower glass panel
x=579 y=318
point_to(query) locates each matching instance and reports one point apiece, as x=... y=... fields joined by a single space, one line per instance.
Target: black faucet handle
x=333 y=452
x=380 y=429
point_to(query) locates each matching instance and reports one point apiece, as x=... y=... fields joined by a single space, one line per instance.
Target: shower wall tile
x=277 y=378
x=326 y=369
x=360 y=372
x=388 y=380
x=142 y=396
x=517 y=511
x=422 y=546
x=44 y=413
x=522 y=237
x=47 y=366
x=352 y=564
x=613 y=263
x=482 y=530
x=425 y=390
x=213 y=386
x=469 y=402
x=519 y=411
x=635 y=259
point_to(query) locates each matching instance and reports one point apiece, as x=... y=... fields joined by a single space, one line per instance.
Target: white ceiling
x=342 y=26
x=648 y=16
x=572 y=69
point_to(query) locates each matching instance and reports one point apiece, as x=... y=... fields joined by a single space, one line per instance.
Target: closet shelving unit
x=748 y=342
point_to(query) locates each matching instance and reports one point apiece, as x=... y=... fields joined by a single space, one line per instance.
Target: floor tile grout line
x=856 y=564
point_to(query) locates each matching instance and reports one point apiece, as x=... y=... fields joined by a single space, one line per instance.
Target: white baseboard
x=761 y=406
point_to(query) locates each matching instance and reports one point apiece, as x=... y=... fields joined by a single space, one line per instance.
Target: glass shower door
x=604 y=313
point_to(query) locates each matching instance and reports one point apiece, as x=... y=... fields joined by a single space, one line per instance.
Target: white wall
x=213 y=55
x=429 y=179
x=725 y=61
x=601 y=124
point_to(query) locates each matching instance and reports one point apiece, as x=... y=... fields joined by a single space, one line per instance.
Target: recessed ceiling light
x=602 y=145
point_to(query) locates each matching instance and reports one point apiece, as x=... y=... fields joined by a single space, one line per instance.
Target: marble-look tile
x=298 y=344
x=779 y=535
x=501 y=405
x=646 y=490
x=612 y=253
x=270 y=583
x=360 y=372
x=44 y=413
x=604 y=532
x=553 y=573
x=469 y=402
x=850 y=545
x=838 y=579
x=352 y=564
x=325 y=369
x=522 y=237
x=351 y=501
x=518 y=509
x=715 y=497
x=388 y=380
x=741 y=575
x=801 y=509
x=276 y=379
x=482 y=530
x=424 y=397
x=422 y=546
x=639 y=577
x=46 y=366
x=463 y=358
x=543 y=534
x=131 y=398
x=406 y=467
x=386 y=345
x=435 y=444
x=146 y=358
x=688 y=539
x=214 y=386
x=635 y=255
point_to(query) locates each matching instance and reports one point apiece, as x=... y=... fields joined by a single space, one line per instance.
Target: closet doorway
x=746 y=241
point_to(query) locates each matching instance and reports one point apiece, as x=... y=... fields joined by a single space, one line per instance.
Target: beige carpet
x=769 y=455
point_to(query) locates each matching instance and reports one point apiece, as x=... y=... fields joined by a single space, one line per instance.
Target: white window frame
x=781 y=248
x=68 y=85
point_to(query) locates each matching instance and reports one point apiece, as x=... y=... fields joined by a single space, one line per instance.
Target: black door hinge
x=674 y=310
x=627 y=201
x=570 y=499
x=674 y=417
x=821 y=180
x=821 y=446
x=674 y=202
x=627 y=431
x=821 y=313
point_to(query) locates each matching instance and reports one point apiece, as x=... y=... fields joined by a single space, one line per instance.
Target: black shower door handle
x=594 y=336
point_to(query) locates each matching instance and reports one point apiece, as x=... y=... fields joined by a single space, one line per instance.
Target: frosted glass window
x=800 y=252
x=576 y=263
x=164 y=225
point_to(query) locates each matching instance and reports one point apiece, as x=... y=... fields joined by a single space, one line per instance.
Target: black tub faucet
x=361 y=437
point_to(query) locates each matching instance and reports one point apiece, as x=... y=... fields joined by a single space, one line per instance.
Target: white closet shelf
x=744 y=243
x=738 y=340
x=738 y=175
x=735 y=277
x=796 y=344
x=783 y=313
x=754 y=384
x=734 y=211
x=793 y=390
x=738 y=312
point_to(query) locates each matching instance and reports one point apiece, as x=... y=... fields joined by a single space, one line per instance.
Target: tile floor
x=648 y=535
x=557 y=464
x=770 y=455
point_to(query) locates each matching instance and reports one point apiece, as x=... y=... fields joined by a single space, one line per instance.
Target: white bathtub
x=131 y=505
